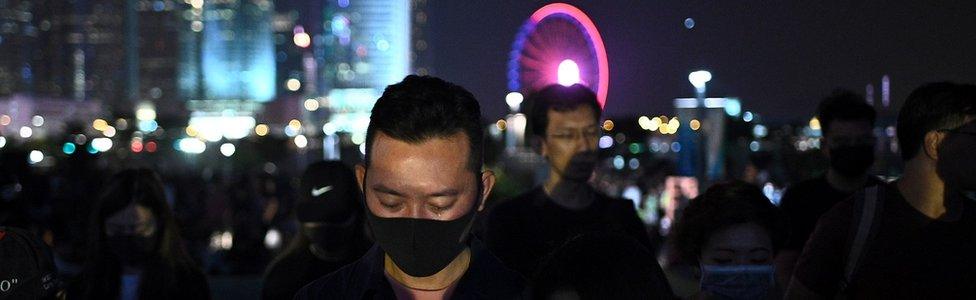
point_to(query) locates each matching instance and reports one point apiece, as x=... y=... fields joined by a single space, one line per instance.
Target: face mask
x=957 y=164
x=330 y=242
x=421 y=247
x=737 y=282
x=580 y=166
x=130 y=250
x=851 y=161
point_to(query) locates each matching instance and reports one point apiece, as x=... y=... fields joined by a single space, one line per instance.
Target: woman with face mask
x=135 y=250
x=731 y=234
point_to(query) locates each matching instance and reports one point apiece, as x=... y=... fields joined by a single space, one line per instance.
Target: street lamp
x=514 y=100
x=698 y=79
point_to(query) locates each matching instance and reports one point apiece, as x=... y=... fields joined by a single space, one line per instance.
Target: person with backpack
x=847 y=123
x=912 y=238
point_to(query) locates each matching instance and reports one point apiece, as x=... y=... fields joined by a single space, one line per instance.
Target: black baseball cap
x=28 y=270
x=328 y=193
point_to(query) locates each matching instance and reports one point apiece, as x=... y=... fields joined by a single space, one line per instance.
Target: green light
x=68 y=148
x=91 y=149
x=635 y=148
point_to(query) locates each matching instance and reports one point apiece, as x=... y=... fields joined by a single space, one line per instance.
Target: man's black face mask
x=851 y=161
x=422 y=247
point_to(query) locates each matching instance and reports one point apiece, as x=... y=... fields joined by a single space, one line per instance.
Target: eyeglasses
x=570 y=134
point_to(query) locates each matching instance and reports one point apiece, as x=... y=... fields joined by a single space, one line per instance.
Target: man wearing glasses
x=521 y=231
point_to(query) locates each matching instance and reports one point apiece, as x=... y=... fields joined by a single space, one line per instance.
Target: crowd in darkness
x=413 y=220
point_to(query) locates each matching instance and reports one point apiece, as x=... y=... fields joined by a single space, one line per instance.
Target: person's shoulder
x=326 y=285
x=836 y=222
x=288 y=262
x=501 y=282
x=615 y=204
x=843 y=209
x=804 y=188
x=344 y=281
x=522 y=202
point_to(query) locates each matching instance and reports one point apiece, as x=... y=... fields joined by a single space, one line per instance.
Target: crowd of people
x=413 y=220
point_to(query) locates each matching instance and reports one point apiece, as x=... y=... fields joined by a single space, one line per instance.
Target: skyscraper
x=158 y=51
x=62 y=49
x=421 y=56
x=227 y=64
x=228 y=52
x=18 y=37
x=367 y=47
x=98 y=36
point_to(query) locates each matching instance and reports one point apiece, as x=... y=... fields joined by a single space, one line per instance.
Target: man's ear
x=487 y=183
x=931 y=142
x=361 y=176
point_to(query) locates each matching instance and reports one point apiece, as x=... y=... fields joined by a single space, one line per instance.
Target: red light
x=136 y=146
x=151 y=147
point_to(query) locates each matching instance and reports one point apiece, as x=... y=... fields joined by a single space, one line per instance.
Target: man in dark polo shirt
x=923 y=240
x=522 y=230
x=423 y=185
x=848 y=143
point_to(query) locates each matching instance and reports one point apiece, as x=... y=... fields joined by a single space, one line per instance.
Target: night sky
x=779 y=57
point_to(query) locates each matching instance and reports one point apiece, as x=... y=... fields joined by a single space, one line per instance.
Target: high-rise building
x=18 y=37
x=63 y=49
x=157 y=55
x=227 y=64
x=367 y=46
x=228 y=52
x=99 y=72
x=298 y=27
x=421 y=56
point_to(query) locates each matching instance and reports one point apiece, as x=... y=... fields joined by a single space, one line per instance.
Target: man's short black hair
x=559 y=98
x=933 y=106
x=423 y=107
x=844 y=105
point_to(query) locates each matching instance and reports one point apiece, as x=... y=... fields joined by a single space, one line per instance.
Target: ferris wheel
x=558 y=44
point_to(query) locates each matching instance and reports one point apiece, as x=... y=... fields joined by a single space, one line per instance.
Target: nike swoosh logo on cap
x=319 y=191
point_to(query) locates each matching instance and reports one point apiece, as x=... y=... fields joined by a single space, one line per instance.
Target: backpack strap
x=865 y=223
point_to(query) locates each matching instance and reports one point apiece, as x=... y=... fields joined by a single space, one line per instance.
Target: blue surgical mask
x=738 y=282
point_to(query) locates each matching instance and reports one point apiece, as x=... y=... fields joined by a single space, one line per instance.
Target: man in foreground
x=423 y=185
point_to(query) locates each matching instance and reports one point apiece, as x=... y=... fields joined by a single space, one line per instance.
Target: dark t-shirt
x=805 y=202
x=291 y=272
x=912 y=256
x=486 y=278
x=525 y=229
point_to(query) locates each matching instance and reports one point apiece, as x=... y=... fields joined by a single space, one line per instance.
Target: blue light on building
x=367 y=47
x=229 y=47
